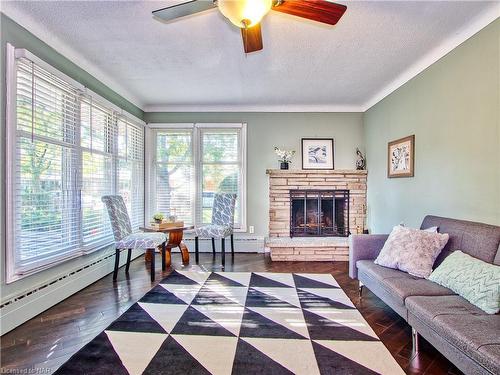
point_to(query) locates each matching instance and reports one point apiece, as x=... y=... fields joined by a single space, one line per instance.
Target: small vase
x=284 y=165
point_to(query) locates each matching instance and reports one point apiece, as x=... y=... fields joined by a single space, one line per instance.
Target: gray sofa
x=463 y=333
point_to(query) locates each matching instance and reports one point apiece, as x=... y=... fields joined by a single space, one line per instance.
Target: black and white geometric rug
x=238 y=323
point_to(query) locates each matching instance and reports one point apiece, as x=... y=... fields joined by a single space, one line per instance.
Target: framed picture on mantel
x=317 y=153
x=401 y=157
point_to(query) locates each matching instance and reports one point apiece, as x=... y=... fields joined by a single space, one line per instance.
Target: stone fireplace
x=312 y=212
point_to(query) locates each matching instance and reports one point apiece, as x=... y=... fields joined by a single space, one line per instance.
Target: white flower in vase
x=285 y=156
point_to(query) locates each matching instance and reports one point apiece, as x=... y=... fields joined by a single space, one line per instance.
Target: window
x=175 y=181
x=220 y=169
x=130 y=169
x=67 y=148
x=97 y=173
x=193 y=162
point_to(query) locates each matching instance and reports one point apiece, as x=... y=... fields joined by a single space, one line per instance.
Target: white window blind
x=192 y=164
x=67 y=149
x=175 y=180
x=46 y=161
x=131 y=169
x=220 y=168
x=98 y=134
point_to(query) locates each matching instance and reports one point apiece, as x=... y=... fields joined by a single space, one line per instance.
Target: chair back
x=223 y=209
x=118 y=215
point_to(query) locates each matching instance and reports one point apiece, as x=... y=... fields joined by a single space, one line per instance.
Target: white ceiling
x=197 y=63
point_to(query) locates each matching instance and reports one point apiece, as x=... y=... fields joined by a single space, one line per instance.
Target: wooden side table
x=175 y=236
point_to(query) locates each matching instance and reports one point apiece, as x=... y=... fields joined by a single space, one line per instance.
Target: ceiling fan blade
x=316 y=10
x=185 y=9
x=252 y=38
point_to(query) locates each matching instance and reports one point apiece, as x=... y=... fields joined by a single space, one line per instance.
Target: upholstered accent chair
x=221 y=226
x=126 y=240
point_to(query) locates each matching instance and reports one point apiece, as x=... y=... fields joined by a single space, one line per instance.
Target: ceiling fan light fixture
x=244 y=13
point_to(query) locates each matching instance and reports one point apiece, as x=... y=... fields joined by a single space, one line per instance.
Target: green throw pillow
x=476 y=281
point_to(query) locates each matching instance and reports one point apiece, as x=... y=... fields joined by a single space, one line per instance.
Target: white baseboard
x=241 y=245
x=32 y=303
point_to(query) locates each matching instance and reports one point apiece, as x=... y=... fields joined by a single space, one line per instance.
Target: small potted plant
x=158 y=217
x=285 y=157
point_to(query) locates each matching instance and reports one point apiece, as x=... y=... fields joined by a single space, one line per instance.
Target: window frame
x=196 y=129
x=152 y=181
x=13 y=271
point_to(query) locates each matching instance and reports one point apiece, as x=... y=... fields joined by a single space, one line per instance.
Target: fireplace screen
x=319 y=213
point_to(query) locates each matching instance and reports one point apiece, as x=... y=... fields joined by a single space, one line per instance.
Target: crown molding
x=436 y=54
x=253 y=108
x=41 y=32
x=419 y=66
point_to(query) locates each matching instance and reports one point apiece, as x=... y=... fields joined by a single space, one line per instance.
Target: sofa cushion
x=490 y=355
x=428 y=308
x=400 y=284
x=460 y=323
x=378 y=272
x=411 y=250
x=414 y=286
x=476 y=239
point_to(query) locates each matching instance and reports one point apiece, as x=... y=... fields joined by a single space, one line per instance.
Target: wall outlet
x=251 y=229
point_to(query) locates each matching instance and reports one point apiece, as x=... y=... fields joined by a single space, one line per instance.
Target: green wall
x=11 y=32
x=453 y=109
x=266 y=130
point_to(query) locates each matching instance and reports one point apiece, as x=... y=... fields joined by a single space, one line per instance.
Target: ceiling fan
x=247 y=14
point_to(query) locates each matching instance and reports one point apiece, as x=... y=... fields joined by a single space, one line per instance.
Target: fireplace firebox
x=319 y=213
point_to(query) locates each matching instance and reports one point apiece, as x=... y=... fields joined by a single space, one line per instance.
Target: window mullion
x=73 y=223
x=113 y=141
x=198 y=172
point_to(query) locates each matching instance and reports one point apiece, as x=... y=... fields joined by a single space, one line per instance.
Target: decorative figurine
x=360 y=161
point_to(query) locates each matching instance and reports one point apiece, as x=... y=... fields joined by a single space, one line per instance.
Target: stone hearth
x=283 y=247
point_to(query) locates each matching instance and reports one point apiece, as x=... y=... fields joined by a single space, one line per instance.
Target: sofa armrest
x=364 y=246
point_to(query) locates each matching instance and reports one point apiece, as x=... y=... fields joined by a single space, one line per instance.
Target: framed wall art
x=317 y=153
x=401 y=157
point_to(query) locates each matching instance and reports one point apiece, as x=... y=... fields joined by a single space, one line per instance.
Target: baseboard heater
x=20 y=308
x=241 y=244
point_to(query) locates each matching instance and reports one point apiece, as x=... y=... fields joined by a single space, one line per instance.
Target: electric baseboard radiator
x=20 y=308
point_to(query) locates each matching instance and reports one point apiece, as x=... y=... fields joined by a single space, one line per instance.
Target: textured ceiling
x=198 y=63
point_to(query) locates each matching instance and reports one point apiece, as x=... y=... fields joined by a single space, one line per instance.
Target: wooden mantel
x=315 y=172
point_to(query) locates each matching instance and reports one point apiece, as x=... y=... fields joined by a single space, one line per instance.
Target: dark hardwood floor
x=48 y=340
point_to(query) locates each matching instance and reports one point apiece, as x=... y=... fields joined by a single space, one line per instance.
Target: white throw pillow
x=430 y=229
x=412 y=250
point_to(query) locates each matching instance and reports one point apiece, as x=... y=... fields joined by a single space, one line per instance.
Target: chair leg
x=213 y=246
x=196 y=249
x=232 y=245
x=152 y=264
x=163 y=249
x=117 y=263
x=223 y=248
x=129 y=255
